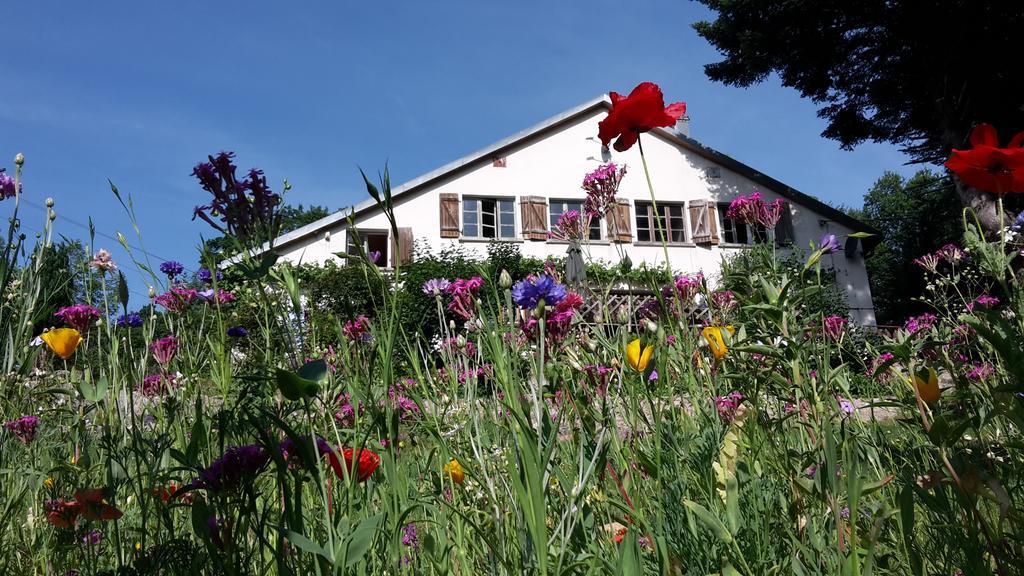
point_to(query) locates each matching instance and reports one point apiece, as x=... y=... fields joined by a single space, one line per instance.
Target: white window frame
x=498 y=224
x=563 y=204
x=750 y=231
x=647 y=207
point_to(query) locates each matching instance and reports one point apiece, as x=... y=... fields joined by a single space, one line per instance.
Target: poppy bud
x=652 y=327
x=152 y=292
x=53 y=215
x=460 y=341
x=19 y=159
x=505 y=279
x=49 y=202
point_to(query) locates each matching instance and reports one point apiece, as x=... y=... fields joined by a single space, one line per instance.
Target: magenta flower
x=357 y=330
x=23 y=428
x=7 y=189
x=688 y=287
x=834 y=327
x=753 y=210
x=464 y=293
x=922 y=323
x=156 y=384
x=984 y=301
x=219 y=297
x=724 y=300
x=177 y=298
x=951 y=253
x=569 y=228
x=727 y=405
x=80 y=316
x=601 y=186
x=237 y=467
x=980 y=371
x=164 y=349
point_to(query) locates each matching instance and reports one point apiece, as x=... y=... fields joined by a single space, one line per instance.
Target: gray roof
x=487 y=153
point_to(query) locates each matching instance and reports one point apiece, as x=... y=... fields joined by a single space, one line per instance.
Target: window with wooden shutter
x=618 y=222
x=401 y=251
x=784 y=229
x=703 y=224
x=449 y=215
x=535 y=215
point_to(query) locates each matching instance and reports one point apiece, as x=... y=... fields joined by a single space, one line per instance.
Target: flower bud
x=652 y=326
x=49 y=202
x=451 y=325
x=505 y=279
x=19 y=159
x=460 y=341
x=53 y=215
x=152 y=292
x=622 y=315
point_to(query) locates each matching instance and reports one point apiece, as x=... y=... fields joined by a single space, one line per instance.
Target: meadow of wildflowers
x=727 y=426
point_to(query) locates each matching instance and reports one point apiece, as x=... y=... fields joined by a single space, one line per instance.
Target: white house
x=515 y=189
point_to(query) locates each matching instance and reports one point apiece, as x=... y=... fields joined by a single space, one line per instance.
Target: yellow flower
x=715 y=340
x=138 y=546
x=63 y=341
x=927 y=384
x=638 y=360
x=454 y=470
x=49 y=483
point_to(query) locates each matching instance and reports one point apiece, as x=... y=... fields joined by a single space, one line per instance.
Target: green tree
x=916 y=216
x=916 y=74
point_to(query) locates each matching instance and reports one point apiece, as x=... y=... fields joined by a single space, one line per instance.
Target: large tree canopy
x=915 y=74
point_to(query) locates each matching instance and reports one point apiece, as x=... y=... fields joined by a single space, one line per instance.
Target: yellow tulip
x=454 y=470
x=637 y=359
x=716 y=342
x=928 y=389
x=63 y=341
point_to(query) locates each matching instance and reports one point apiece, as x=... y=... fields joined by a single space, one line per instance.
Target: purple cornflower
x=23 y=428
x=129 y=320
x=164 y=349
x=984 y=301
x=207 y=277
x=237 y=467
x=727 y=405
x=435 y=286
x=834 y=327
x=922 y=323
x=530 y=292
x=172 y=269
x=463 y=293
x=242 y=208
x=828 y=244
x=7 y=185
x=601 y=186
x=237 y=332
x=80 y=316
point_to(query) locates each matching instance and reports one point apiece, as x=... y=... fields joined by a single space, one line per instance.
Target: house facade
x=515 y=190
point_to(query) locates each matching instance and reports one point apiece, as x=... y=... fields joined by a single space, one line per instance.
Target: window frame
x=479 y=217
x=750 y=232
x=602 y=230
x=645 y=209
x=364 y=235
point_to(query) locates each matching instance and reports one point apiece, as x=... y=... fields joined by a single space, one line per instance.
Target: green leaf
x=860 y=235
x=303 y=543
x=945 y=431
x=709 y=520
x=262 y=269
x=314 y=371
x=122 y=290
x=361 y=539
x=94 y=392
x=295 y=387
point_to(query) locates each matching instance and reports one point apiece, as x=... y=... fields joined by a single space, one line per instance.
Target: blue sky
x=139 y=92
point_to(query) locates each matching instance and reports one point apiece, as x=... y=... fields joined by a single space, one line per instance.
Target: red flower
x=367 y=463
x=988 y=167
x=93 y=506
x=641 y=111
x=62 y=513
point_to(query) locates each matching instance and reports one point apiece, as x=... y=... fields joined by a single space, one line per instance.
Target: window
x=371 y=241
x=558 y=207
x=488 y=218
x=673 y=222
x=736 y=232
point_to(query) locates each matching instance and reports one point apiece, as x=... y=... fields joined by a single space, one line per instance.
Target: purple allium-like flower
x=530 y=292
x=102 y=262
x=7 y=185
x=409 y=536
x=129 y=320
x=80 y=316
x=463 y=293
x=727 y=405
x=155 y=384
x=237 y=332
x=23 y=428
x=922 y=323
x=983 y=301
x=177 y=298
x=238 y=467
x=172 y=269
x=355 y=330
x=834 y=327
x=206 y=276
x=980 y=371
x=601 y=186
x=828 y=244
x=164 y=349
x=242 y=208
x=435 y=286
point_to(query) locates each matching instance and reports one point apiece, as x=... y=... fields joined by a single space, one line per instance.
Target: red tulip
x=643 y=110
x=988 y=167
x=367 y=463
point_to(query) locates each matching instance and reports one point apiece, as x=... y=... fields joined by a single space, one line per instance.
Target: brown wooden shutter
x=619 y=229
x=712 y=216
x=535 y=214
x=449 y=215
x=401 y=251
x=784 y=229
x=703 y=222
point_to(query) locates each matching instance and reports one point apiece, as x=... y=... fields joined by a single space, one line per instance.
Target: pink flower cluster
x=219 y=297
x=601 y=186
x=557 y=321
x=984 y=301
x=753 y=210
x=357 y=330
x=464 y=293
x=405 y=406
x=80 y=316
x=156 y=384
x=922 y=323
x=347 y=412
x=23 y=428
x=570 y=227
x=876 y=367
x=980 y=371
x=164 y=349
x=950 y=253
x=688 y=287
x=724 y=300
x=834 y=327
x=178 y=298
x=727 y=405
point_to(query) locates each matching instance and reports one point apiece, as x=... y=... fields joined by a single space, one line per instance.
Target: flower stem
x=654 y=206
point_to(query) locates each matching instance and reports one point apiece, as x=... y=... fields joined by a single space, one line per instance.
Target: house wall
x=553 y=166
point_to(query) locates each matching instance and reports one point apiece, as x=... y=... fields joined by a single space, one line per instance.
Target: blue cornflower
x=206 y=276
x=237 y=332
x=172 y=269
x=129 y=320
x=530 y=292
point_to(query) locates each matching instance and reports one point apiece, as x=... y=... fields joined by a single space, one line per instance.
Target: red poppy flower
x=93 y=506
x=367 y=463
x=62 y=513
x=643 y=110
x=988 y=167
